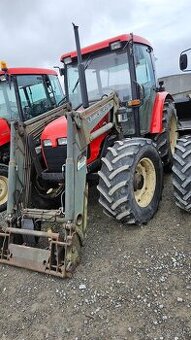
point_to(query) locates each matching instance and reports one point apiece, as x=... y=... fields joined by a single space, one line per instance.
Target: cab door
x=145 y=75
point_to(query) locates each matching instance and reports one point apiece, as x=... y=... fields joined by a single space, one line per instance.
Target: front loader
x=131 y=173
x=54 y=249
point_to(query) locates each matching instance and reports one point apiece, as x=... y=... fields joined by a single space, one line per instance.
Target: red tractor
x=124 y=64
x=24 y=93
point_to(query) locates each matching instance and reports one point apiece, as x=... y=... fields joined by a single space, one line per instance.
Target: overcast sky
x=37 y=32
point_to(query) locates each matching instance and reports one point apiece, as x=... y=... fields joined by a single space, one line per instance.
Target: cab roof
x=106 y=43
x=28 y=70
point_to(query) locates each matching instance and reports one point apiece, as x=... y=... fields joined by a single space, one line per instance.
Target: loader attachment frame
x=62 y=231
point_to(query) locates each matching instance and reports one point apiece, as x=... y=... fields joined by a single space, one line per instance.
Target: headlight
x=62 y=141
x=47 y=142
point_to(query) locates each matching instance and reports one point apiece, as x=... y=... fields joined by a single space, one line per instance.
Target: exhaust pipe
x=81 y=70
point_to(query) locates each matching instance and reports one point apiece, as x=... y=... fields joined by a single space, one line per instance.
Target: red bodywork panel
x=4 y=132
x=28 y=70
x=157 y=112
x=55 y=130
x=58 y=129
x=106 y=43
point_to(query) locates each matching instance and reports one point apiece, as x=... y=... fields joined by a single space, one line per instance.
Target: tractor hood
x=4 y=132
x=55 y=130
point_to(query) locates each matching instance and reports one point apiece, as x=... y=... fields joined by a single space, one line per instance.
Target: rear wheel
x=130 y=183
x=166 y=141
x=181 y=173
x=3 y=187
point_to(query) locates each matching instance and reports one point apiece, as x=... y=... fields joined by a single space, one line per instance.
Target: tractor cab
x=28 y=92
x=123 y=64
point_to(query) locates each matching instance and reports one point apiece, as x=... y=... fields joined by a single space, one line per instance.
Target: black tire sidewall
x=182 y=159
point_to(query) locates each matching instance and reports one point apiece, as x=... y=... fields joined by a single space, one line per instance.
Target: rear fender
x=157 y=112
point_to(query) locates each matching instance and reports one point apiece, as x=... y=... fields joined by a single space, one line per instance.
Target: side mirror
x=183 y=61
x=161 y=87
x=61 y=70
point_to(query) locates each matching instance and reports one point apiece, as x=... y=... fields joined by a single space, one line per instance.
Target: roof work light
x=3 y=66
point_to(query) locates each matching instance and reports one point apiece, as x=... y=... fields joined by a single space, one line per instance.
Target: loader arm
x=80 y=125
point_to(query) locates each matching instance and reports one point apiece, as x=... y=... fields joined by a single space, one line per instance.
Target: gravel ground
x=132 y=283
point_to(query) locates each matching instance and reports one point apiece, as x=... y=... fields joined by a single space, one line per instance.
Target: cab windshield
x=8 y=104
x=104 y=73
x=38 y=94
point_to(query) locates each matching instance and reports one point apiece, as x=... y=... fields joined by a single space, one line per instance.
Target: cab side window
x=143 y=65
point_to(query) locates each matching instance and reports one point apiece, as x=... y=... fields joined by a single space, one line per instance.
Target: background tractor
x=182 y=157
x=24 y=93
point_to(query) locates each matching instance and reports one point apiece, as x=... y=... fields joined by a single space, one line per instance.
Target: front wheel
x=131 y=180
x=3 y=187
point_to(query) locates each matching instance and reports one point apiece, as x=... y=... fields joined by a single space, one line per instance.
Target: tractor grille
x=55 y=157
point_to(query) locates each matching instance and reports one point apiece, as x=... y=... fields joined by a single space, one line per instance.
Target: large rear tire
x=130 y=182
x=181 y=173
x=3 y=187
x=166 y=141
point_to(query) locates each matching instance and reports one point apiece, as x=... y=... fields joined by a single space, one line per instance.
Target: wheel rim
x=173 y=134
x=3 y=189
x=144 y=182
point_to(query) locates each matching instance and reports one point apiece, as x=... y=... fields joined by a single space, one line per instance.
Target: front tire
x=3 y=187
x=181 y=173
x=130 y=183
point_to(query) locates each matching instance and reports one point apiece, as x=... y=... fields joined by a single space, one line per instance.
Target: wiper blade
x=77 y=82
x=62 y=101
x=87 y=64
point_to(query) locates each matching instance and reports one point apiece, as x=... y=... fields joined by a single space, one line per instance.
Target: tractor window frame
x=9 y=100
x=144 y=63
